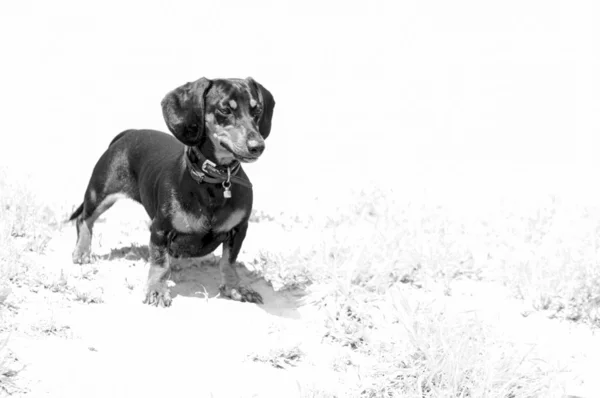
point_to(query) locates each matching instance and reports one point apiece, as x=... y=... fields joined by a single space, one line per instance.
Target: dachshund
x=191 y=183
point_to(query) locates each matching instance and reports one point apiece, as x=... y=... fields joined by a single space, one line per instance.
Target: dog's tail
x=76 y=213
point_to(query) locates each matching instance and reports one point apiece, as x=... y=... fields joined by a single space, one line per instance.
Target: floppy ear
x=268 y=103
x=183 y=110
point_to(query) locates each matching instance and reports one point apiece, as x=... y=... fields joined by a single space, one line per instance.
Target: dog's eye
x=256 y=112
x=225 y=111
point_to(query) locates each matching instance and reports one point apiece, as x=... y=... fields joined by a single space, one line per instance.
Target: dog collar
x=204 y=170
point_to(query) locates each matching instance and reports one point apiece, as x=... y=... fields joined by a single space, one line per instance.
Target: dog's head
x=234 y=114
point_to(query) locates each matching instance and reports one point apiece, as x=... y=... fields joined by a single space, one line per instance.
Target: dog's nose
x=255 y=147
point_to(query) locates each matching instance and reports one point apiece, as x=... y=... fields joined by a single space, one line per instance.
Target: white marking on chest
x=233 y=220
x=185 y=222
x=188 y=223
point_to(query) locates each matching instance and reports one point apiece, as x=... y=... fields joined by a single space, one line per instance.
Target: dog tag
x=227 y=185
x=226 y=189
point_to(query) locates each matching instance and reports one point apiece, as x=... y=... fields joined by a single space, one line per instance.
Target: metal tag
x=227 y=185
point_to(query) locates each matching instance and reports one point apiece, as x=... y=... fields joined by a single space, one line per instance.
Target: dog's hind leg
x=109 y=182
x=157 y=291
x=93 y=208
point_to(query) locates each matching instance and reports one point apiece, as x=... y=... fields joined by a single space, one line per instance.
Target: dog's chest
x=202 y=223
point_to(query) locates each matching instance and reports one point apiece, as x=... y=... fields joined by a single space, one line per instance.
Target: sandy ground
x=212 y=347
x=201 y=346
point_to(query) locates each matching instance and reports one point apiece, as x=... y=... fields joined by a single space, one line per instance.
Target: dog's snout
x=255 y=147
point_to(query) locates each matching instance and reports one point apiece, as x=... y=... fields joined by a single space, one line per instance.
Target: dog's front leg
x=230 y=281
x=157 y=291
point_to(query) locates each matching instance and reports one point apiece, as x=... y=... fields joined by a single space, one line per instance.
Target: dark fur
x=188 y=218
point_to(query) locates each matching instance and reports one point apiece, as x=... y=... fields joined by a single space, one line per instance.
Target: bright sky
x=476 y=89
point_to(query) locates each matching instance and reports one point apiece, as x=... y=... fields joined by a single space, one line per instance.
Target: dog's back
x=134 y=161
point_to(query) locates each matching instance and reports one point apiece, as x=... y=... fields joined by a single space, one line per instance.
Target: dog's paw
x=241 y=293
x=158 y=296
x=80 y=257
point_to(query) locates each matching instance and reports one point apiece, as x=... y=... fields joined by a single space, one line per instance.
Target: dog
x=191 y=183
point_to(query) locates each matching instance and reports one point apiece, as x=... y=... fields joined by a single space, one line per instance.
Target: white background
x=410 y=92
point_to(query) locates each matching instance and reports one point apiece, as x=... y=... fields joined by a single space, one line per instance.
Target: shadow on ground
x=200 y=278
x=131 y=252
